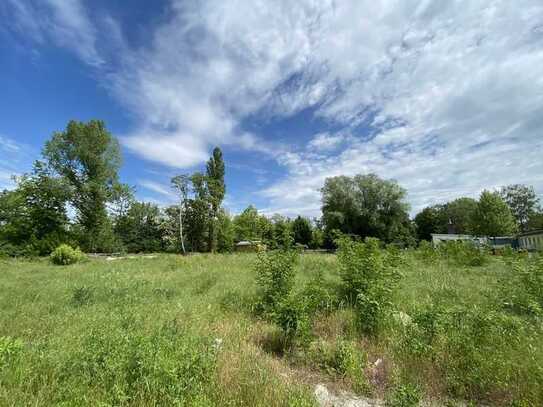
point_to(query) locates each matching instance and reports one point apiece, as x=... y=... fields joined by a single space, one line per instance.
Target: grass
x=176 y=330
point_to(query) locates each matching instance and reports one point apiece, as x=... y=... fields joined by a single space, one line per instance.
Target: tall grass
x=178 y=330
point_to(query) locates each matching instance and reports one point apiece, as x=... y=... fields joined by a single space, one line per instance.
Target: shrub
x=81 y=296
x=368 y=281
x=275 y=277
x=522 y=288
x=64 y=255
x=318 y=296
x=292 y=317
x=342 y=358
x=427 y=253
x=463 y=253
x=405 y=395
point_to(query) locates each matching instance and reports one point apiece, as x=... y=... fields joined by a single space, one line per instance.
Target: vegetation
x=64 y=255
x=189 y=330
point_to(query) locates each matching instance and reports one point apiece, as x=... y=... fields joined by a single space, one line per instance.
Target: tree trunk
x=181 y=229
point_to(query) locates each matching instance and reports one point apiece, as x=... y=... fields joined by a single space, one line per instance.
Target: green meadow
x=186 y=330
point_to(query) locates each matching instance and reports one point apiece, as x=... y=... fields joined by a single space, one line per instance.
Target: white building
x=531 y=240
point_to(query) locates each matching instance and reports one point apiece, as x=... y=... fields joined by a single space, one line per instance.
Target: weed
x=81 y=296
x=405 y=395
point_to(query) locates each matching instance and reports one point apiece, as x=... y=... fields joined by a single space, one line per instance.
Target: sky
x=445 y=97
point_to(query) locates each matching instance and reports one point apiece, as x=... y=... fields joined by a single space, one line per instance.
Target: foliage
x=275 y=275
x=33 y=216
x=87 y=157
x=302 y=231
x=405 y=395
x=364 y=205
x=225 y=233
x=462 y=253
x=492 y=216
x=65 y=255
x=181 y=184
x=342 y=358
x=368 y=281
x=140 y=229
x=523 y=202
x=522 y=287
x=249 y=225
x=217 y=189
x=435 y=219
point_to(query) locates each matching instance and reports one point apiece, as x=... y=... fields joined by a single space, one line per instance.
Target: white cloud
x=65 y=22
x=326 y=141
x=159 y=188
x=452 y=90
x=15 y=159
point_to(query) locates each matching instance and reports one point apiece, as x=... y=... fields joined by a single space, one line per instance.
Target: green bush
x=522 y=288
x=343 y=359
x=368 y=281
x=463 y=253
x=405 y=395
x=275 y=275
x=427 y=253
x=458 y=343
x=65 y=255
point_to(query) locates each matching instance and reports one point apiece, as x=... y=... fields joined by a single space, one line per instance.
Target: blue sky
x=446 y=97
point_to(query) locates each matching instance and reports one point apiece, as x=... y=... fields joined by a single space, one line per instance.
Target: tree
x=33 y=216
x=428 y=222
x=248 y=225
x=364 y=205
x=181 y=184
x=492 y=216
x=302 y=230
x=87 y=156
x=225 y=232
x=140 y=228
x=216 y=187
x=122 y=198
x=522 y=201
x=460 y=212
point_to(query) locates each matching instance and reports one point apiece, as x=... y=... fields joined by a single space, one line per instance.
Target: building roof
x=248 y=242
x=531 y=233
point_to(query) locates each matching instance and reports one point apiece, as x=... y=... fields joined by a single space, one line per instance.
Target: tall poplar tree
x=217 y=189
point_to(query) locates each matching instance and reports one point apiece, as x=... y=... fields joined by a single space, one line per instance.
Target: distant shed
x=250 y=246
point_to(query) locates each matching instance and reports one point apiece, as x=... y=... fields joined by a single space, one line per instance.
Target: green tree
x=460 y=212
x=282 y=237
x=302 y=230
x=523 y=202
x=225 y=232
x=428 y=221
x=181 y=183
x=364 y=205
x=217 y=189
x=493 y=217
x=33 y=216
x=140 y=228
x=87 y=156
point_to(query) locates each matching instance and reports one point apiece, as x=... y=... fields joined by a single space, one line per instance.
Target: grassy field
x=176 y=330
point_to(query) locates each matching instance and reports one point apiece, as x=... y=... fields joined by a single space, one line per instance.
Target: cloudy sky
x=446 y=97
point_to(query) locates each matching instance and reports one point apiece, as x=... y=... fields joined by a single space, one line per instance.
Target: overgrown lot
x=236 y=330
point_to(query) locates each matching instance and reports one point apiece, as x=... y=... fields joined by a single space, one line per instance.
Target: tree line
x=73 y=195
